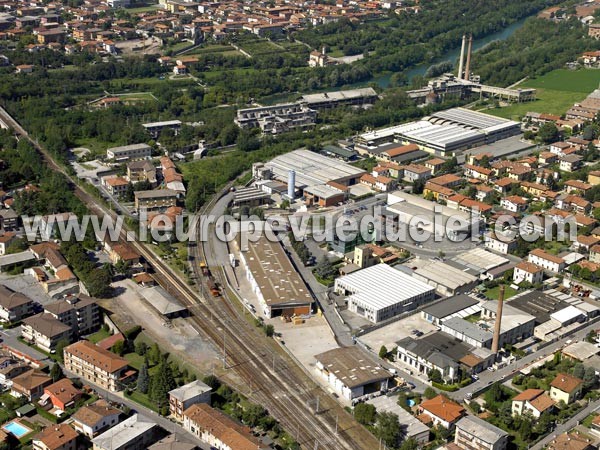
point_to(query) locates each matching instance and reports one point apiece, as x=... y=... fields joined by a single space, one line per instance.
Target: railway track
x=274 y=380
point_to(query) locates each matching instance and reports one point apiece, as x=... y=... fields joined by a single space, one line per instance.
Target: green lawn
x=493 y=292
x=143 y=400
x=556 y=92
x=141 y=96
x=98 y=336
x=587 y=422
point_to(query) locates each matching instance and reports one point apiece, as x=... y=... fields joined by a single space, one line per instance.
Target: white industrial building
x=380 y=292
x=446 y=279
x=352 y=373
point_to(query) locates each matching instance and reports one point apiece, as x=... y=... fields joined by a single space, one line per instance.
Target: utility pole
x=317 y=411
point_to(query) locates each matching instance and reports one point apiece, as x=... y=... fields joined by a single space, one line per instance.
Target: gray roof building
x=135 y=428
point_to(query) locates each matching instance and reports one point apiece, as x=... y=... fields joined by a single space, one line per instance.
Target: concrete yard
x=395 y=331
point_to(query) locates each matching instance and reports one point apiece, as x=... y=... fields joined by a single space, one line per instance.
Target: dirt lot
x=180 y=337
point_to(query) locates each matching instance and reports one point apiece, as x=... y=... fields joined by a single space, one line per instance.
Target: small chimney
x=498 y=324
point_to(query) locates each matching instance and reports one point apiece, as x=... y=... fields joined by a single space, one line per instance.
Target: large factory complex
x=445 y=133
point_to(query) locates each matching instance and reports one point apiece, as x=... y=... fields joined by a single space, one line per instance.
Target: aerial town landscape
x=255 y=224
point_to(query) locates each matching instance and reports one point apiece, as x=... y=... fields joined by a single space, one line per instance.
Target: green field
x=556 y=92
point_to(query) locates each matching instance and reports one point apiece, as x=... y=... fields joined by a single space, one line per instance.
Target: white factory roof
x=445 y=275
x=391 y=131
x=472 y=119
x=381 y=286
x=311 y=168
x=322 y=190
x=443 y=135
x=567 y=314
x=511 y=317
x=480 y=259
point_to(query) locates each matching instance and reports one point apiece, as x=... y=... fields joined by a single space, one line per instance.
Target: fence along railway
x=282 y=388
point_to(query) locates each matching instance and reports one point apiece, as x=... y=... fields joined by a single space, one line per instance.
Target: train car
x=212 y=287
x=204 y=269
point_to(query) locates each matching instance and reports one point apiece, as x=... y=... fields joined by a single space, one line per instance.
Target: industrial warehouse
x=352 y=373
x=445 y=133
x=381 y=292
x=278 y=286
x=319 y=177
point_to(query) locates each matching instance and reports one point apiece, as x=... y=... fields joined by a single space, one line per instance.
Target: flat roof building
x=352 y=373
x=324 y=100
x=280 y=289
x=129 y=152
x=312 y=169
x=446 y=279
x=381 y=292
x=473 y=433
x=458 y=306
x=135 y=432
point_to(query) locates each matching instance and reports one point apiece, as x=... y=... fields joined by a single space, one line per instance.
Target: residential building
x=529 y=272
x=183 y=397
x=80 y=312
x=62 y=394
x=532 y=401
x=97 y=365
x=9 y=220
x=546 y=261
x=119 y=253
x=129 y=152
x=570 y=163
x=156 y=199
x=56 y=437
x=144 y=170
x=14 y=306
x=115 y=185
x=278 y=118
x=566 y=388
x=5 y=240
x=442 y=411
x=135 y=433
x=96 y=418
x=217 y=430
x=416 y=172
x=45 y=331
x=571 y=441
x=500 y=243
x=30 y=385
x=514 y=203
x=473 y=433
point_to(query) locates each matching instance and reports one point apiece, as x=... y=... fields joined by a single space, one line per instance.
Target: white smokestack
x=291 y=184
x=462 y=56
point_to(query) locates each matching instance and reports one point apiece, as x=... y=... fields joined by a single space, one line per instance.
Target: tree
x=364 y=413
x=548 y=133
x=325 y=269
x=60 y=347
x=387 y=428
x=383 y=352
x=409 y=444
x=119 y=347
x=429 y=393
x=589 y=378
x=435 y=376
x=56 y=372
x=143 y=380
x=154 y=354
x=141 y=348
x=269 y=330
x=579 y=371
x=161 y=383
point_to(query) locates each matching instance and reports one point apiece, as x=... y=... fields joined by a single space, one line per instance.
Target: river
x=451 y=55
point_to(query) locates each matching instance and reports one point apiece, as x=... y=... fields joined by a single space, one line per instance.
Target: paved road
x=486 y=378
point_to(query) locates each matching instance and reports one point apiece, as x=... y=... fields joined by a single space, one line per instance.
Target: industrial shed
x=163 y=302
